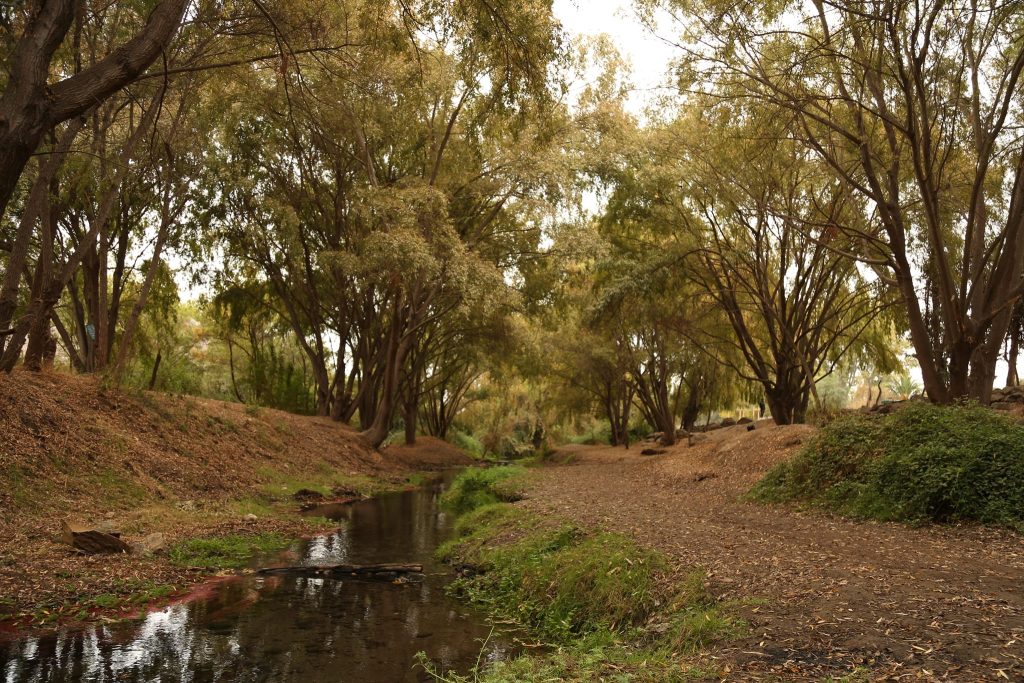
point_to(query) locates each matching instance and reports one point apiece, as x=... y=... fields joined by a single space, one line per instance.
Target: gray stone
x=153 y=543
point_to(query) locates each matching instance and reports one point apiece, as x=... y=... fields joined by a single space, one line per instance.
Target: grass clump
x=226 y=552
x=922 y=463
x=478 y=487
x=606 y=606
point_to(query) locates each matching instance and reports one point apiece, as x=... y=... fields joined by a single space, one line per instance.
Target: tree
x=31 y=106
x=913 y=106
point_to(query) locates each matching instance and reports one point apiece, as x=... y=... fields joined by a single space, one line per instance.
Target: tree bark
x=30 y=108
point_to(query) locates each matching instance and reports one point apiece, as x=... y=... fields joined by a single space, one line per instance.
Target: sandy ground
x=830 y=595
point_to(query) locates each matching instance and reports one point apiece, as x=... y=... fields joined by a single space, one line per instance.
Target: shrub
x=477 y=487
x=920 y=463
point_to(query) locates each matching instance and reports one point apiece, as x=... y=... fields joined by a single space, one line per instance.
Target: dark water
x=289 y=628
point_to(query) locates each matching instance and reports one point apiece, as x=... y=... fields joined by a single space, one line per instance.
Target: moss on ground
x=226 y=552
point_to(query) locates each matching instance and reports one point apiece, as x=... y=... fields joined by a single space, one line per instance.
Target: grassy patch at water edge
x=476 y=487
x=922 y=463
x=604 y=605
x=226 y=552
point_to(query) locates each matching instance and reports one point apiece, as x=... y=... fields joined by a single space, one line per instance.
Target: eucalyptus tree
x=914 y=109
x=772 y=255
x=387 y=186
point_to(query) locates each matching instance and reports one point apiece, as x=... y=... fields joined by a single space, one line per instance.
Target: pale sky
x=648 y=55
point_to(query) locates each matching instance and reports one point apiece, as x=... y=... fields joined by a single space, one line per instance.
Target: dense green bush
x=476 y=487
x=920 y=463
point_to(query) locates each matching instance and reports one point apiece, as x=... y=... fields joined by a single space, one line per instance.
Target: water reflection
x=288 y=628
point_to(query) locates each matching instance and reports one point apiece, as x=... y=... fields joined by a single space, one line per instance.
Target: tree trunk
x=34 y=206
x=156 y=368
x=140 y=303
x=30 y=108
x=1012 y=378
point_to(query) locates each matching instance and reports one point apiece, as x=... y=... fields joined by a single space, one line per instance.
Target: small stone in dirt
x=153 y=543
x=704 y=475
x=251 y=517
x=187 y=505
x=652 y=451
x=751 y=428
x=698 y=438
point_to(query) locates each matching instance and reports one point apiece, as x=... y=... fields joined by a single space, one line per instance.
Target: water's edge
x=283 y=628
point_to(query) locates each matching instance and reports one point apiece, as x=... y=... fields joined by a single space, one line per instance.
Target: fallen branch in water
x=373 y=572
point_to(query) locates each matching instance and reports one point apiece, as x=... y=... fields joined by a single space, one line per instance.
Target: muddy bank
x=145 y=463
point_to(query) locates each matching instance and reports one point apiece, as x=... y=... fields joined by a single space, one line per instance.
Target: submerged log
x=367 y=572
x=91 y=541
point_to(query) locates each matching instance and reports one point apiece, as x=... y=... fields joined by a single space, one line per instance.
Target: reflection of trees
x=284 y=629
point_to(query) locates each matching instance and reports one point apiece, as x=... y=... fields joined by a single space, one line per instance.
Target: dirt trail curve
x=902 y=603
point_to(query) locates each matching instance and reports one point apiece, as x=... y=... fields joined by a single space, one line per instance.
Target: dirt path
x=930 y=603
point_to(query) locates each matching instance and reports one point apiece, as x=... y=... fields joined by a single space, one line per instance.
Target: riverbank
x=160 y=470
x=822 y=596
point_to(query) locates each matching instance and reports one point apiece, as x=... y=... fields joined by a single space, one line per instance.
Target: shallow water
x=290 y=628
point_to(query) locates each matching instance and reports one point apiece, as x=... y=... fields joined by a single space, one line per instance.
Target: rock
x=751 y=427
x=151 y=544
x=91 y=541
x=307 y=494
x=251 y=517
x=1001 y=405
x=728 y=422
x=108 y=526
x=698 y=438
x=744 y=421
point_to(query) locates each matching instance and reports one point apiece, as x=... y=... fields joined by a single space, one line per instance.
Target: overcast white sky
x=648 y=55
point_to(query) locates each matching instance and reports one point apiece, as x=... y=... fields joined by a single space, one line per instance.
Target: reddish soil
x=902 y=603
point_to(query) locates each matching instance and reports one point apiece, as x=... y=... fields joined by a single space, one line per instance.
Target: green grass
x=922 y=463
x=323 y=479
x=606 y=606
x=225 y=552
x=477 y=487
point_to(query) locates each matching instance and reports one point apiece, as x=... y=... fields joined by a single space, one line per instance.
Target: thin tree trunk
x=156 y=368
x=140 y=303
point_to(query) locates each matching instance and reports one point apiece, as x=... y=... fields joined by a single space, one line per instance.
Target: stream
x=287 y=628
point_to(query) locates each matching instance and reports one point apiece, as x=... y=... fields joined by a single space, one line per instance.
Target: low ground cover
x=921 y=463
x=603 y=605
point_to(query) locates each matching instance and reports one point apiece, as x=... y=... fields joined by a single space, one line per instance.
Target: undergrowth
x=476 y=487
x=922 y=463
x=606 y=608
x=225 y=552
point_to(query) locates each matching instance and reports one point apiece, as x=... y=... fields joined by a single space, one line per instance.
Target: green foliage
x=467 y=442
x=225 y=552
x=920 y=463
x=476 y=487
x=591 y=594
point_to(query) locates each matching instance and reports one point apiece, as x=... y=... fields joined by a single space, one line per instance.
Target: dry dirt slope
x=67 y=443
x=930 y=603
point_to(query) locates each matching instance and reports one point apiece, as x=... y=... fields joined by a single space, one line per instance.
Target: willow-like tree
x=914 y=107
